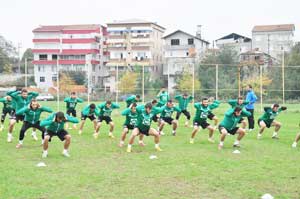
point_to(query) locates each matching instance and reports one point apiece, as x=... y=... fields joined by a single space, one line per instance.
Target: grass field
x=100 y=169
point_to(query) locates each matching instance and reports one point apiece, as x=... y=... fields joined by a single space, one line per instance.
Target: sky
x=217 y=17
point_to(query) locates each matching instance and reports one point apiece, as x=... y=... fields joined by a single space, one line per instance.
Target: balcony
x=178 y=47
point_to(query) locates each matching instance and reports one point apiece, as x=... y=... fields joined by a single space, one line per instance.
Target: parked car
x=45 y=97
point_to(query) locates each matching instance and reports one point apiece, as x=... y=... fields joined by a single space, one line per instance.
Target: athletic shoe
x=294 y=145
x=111 y=135
x=121 y=145
x=128 y=150
x=79 y=132
x=19 y=146
x=142 y=144
x=186 y=124
x=45 y=154
x=275 y=137
x=220 y=147
x=161 y=133
x=66 y=154
x=191 y=141
x=211 y=140
x=96 y=135
x=9 y=138
x=1 y=128
x=158 y=148
x=236 y=145
x=259 y=136
x=33 y=134
x=174 y=133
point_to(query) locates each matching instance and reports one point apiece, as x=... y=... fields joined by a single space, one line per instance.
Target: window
x=187 y=54
x=54 y=57
x=41 y=68
x=99 y=79
x=191 y=41
x=94 y=68
x=43 y=57
x=42 y=79
x=175 y=42
x=54 y=78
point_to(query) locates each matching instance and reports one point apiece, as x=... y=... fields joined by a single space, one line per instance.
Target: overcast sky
x=19 y=17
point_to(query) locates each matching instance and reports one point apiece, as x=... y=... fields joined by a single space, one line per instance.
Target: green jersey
x=167 y=111
x=104 y=111
x=130 y=100
x=7 y=105
x=269 y=115
x=230 y=120
x=144 y=119
x=131 y=117
x=88 y=112
x=20 y=101
x=53 y=126
x=33 y=115
x=202 y=112
x=234 y=103
x=183 y=102
x=163 y=98
x=72 y=102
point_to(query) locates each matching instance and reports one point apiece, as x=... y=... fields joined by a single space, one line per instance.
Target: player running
x=183 y=101
x=71 y=103
x=143 y=126
x=106 y=109
x=166 y=117
x=55 y=127
x=32 y=119
x=229 y=125
x=91 y=112
x=204 y=111
x=21 y=99
x=268 y=120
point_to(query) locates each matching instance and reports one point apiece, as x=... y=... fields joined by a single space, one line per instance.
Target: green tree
x=185 y=84
x=128 y=82
x=7 y=68
x=29 y=56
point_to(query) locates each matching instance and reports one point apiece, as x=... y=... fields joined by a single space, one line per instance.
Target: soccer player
x=268 y=120
x=32 y=119
x=239 y=102
x=91 y=112
x=71 y=103
x=132 y=99
x=143 y=126
x=21 y=99
x=8 y=108
x=129 y=124
x=105 y=114
x=55 y=127
x=166 y=117
x=229 y=125
x=203 y=111
x=184 y=101
x=251 y=98
x=163 y=97
x=294 y=145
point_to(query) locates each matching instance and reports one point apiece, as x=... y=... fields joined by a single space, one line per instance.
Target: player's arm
x=229 y=112
x=214 y=105
x=14 y=94
x=79 y=100
x=125 y=111
x=71 y=119
x=232 y=102
x=67 y=99
x=33 y=94
x=22 y=111
x=48 y=120
x=115 y=106
x=245 y=113
x=177 y=109
x=47 y=109
x=283 y=108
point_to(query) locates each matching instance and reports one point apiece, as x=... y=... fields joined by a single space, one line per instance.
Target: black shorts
x=17 y=117
x=144 y=132
x=129 y=126
x=91 y=117
x=169 y=120
x=107 y=119
x=267 y=124
x=61 y=134
x=203 y=124
x=5 y=112
x=155 y=118
x=71 y=112
x=241 y=120
x=232 y=131
x=211 y=116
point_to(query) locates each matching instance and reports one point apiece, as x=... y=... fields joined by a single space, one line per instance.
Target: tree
x=7 y=68
x=128 y=82
x=185 y=84
x=78 y=76
x=254 y=81
x=28 y=54
x=66 y=83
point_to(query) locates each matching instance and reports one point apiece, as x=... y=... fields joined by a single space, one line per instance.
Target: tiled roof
x=270 y=28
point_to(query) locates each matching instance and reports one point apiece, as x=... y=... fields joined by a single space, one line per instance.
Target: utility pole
x=19 y=57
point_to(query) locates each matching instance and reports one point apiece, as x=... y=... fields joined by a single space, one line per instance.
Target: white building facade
x=134 y=42
x=181 y=52
x=273 y=39
x=235 y=41
x=69 y=48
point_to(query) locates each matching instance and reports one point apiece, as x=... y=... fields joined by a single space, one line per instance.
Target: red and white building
x=69 y=47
